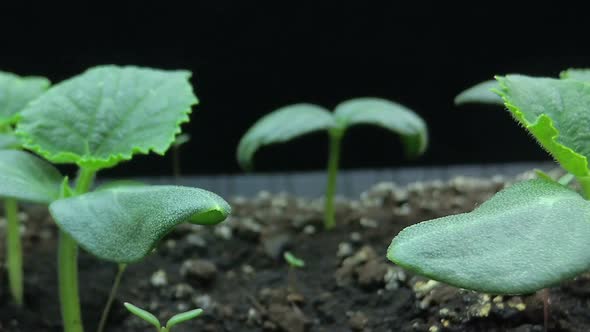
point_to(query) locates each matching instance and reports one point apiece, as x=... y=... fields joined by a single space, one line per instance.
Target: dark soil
x=236 y=273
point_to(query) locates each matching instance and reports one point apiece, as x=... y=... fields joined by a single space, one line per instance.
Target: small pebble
x=159 y=279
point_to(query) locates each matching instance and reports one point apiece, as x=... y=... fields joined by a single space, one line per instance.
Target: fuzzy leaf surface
x=280 y=126
x=480 y=93
x=107 y=114
x=124 y=224
x=577 y=74
x=16 y=92
x=9 y=141
x=28 y=178
x=556 y=113
x=527 y=237
x=388 y=115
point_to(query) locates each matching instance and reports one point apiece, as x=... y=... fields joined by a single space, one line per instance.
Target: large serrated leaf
x=108 y=114
x=527 y=237
x=16 y=92
x=480 y=93
x=124 y=224
x=577 y=74
x=556 y=113
x=28 y=178
x=386 y=114
x=280 y=126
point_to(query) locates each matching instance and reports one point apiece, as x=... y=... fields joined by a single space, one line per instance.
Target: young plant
x=175 y=320
x=294 y=263
x=534 y=234
x=97 y=120
x=15 y=93
x=296 y=120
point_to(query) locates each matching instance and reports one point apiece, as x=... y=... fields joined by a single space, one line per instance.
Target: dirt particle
x=199 y=270
x=358 y=321
x=159 y=279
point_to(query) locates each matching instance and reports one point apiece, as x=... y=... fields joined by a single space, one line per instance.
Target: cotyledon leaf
x=556 y=113
x=183 y=317
x=280 y=126
x=28 y=178
x=527 y=237
x=480 y=93
x=124 y=224
x=386 y=114
x=577 y=74
x=16 y=92
x=143 y=314
x=107 y=114
x=9 y=141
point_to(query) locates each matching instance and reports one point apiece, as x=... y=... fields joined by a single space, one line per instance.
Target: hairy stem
x=334 y=158
x=68 y=267
x=585 y=183
x=107 y=308
x=14 y=259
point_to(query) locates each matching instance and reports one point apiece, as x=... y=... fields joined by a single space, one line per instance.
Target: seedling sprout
x=15 y=93
x=293 y=261
x=97 y=120
x=296 y=120
x=534 y=234
x=175 y=320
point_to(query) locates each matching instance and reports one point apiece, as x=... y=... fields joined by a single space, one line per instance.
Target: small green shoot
x=293 y=121
x=293 y=261
x=175 y=320
x=15 y=93
x=534 y=234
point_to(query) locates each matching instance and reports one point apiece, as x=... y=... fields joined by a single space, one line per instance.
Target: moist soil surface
x=236 y=272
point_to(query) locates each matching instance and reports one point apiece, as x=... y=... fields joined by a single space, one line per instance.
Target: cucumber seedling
x=296 y=120
x=96 y=120
x=535 y=233
x=15 y=93
x=294 y=263
x=175 y=320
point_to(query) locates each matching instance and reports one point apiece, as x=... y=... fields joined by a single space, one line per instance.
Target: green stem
x=335 y=139
x=14 y=251
x=107 y=308
x=585 y=183
x=68 y=267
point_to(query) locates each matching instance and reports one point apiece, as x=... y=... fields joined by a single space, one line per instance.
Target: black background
x=249 y=58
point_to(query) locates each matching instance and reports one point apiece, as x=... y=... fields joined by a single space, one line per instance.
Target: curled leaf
x=124 y=224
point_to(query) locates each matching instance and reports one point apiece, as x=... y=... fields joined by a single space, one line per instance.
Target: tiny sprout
x=293 y=261
x=175 y=320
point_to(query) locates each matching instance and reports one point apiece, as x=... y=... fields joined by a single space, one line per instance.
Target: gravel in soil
x=236 y=273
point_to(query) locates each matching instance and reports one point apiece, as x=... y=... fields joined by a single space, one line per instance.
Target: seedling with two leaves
x=95 y=121
x=15 y=93
x=534 y=234
x=153 y=320
x=293 y=121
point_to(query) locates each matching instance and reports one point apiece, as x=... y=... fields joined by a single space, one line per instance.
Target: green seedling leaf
x=181 y=139
x=124 y=224
x=143 y=314
x=293 y=261
x=555 y=112
x=480 y=93
x=27 y=178
x=9 y=141
x=582 y=75
x=280 y=126
x=542 y=175
x=16 y=92
x=527 y=237
x=183 y=317
x=386 y=114
x=108 y=114
x=118 y=184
